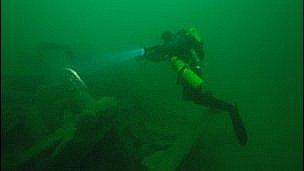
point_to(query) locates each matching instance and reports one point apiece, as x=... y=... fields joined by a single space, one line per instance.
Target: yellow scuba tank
x=190 y=77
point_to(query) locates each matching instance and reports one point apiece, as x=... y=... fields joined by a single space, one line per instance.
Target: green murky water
x=130 y=115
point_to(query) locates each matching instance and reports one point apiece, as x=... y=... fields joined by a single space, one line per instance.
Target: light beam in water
x=98 y=63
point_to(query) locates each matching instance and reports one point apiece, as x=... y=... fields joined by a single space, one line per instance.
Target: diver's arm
x=155 y=53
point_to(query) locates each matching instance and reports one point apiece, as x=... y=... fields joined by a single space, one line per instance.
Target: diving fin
x=238 y=125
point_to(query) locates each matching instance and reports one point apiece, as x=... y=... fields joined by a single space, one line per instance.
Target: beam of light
x=105 y=61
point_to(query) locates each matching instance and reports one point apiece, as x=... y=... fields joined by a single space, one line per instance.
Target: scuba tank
x=187 y=75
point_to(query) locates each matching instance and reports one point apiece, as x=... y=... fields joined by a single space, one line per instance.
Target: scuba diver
x=184 y=50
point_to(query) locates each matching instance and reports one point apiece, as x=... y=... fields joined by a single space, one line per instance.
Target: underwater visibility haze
x=78 y=91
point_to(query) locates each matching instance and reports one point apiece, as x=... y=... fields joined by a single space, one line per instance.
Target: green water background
x=253 y=56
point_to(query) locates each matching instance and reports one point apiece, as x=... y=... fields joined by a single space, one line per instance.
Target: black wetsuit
x=191 y=51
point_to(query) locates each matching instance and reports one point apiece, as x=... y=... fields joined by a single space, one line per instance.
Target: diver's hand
x=155 y=54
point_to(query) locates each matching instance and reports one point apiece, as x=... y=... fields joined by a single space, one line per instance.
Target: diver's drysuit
x=184 y=50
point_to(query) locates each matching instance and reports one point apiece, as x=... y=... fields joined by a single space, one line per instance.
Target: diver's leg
x=208 y=100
